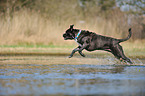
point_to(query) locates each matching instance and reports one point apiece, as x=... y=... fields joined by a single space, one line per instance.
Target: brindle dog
x=91 y=41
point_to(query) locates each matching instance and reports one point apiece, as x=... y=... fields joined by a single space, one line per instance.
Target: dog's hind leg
x=117 y=51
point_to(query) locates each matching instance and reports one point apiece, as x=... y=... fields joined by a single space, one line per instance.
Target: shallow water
x=31 y=79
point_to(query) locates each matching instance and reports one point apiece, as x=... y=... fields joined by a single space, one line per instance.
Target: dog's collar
x=77 y=38
x=78 y=35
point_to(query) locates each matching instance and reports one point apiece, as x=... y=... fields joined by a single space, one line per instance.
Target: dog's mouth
x=67 y=38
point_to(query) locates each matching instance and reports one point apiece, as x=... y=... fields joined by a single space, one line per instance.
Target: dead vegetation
x=42 y=22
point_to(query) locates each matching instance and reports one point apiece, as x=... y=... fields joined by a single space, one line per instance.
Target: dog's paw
x=83 y=55
x=69 y=56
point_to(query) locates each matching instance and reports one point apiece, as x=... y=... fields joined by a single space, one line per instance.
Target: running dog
x=91 y=41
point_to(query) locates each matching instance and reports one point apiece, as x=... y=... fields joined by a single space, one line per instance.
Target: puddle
x=108 y=80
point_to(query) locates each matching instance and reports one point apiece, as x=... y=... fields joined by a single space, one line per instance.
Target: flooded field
x=59 y=75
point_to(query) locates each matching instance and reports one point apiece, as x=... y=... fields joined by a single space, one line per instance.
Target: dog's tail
x=129 y=35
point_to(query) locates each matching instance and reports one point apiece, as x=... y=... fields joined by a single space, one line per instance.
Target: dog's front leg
x=72 y=53
x=79 y=49
x=80 y=52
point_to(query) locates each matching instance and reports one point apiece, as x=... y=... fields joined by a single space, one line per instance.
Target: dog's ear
x=71 y=26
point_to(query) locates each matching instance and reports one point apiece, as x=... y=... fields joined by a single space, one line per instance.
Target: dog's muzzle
x=64 y=36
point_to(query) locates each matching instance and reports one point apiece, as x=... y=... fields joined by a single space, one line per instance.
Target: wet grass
x=131 y=49
x=34 y=46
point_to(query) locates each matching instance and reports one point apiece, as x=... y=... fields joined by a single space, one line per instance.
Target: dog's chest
x=78 y=43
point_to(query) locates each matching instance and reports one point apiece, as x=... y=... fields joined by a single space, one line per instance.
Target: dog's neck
x=77 y=35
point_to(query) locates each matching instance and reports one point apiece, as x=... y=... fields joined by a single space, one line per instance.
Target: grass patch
x=131 y=49
x=35 y=46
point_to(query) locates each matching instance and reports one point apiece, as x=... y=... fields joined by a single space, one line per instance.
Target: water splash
x=137 y=62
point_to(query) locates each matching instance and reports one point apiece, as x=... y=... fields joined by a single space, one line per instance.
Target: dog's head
x=69 y=34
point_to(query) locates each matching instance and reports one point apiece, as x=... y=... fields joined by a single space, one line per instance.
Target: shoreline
x=76 y=60
x=56 y=55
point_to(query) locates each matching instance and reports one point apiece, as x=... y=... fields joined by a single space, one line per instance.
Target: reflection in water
x=72 y=80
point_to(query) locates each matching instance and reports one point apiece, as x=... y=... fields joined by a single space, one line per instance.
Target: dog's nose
x=64 y=35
